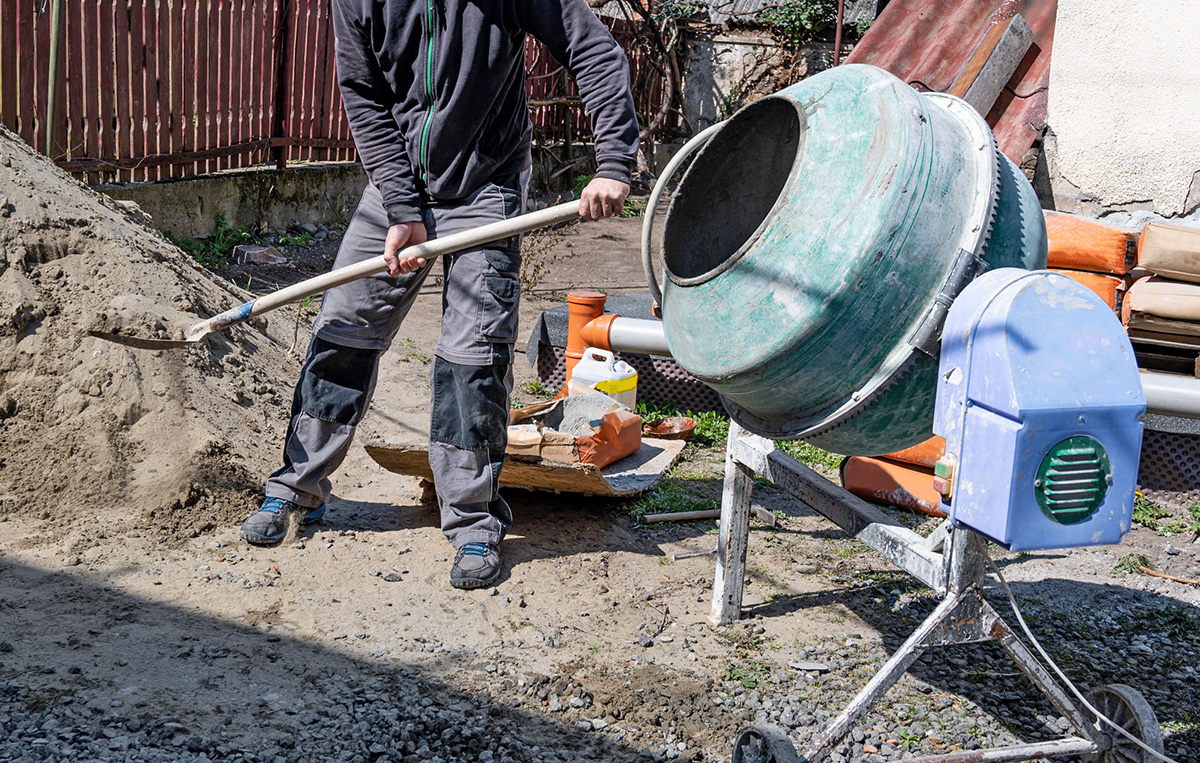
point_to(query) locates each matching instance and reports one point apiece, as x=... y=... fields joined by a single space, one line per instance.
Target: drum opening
x=729 y=191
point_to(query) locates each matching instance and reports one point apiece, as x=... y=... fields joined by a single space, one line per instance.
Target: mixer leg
x=734 y=535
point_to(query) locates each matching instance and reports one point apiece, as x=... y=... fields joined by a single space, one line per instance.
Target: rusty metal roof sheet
x=927 y=42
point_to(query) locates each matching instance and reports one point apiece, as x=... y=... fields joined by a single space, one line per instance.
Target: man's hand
x=399 y=237
x=602 y=198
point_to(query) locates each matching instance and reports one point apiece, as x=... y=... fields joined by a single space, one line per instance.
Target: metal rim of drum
x=978 y=229
x=1126 y=707
x=714 y=144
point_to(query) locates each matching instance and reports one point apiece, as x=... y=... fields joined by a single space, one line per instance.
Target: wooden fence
x=133 y=90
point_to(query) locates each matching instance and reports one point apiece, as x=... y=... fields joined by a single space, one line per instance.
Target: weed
x=303 y=238
x=910 y=739
x=1147 y=513
x=1175 y=622
x=537 y=389
x=1131 y=562
x=215 y=249
x=664 y=561
x=632 y=208
x=750 y=675
x=798 y=20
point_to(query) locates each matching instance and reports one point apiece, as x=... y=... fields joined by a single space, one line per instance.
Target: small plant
x=632 y=208
x=711 y=428
x=1131 y=562
x=303 y=238
x=535 y=388
x=214 y=250
x=1147 y=513
x=797 y=21
x=749 y=675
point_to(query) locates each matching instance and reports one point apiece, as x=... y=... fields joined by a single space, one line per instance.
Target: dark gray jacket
x=435 y=91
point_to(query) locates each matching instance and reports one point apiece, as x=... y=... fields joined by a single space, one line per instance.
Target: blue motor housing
x=1039 y=401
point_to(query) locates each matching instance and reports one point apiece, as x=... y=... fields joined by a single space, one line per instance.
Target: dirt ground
x=153 y=608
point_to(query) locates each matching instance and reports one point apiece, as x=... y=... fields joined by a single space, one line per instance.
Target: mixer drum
x=815 y=244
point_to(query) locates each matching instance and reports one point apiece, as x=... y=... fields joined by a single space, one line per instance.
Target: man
x=435 y=94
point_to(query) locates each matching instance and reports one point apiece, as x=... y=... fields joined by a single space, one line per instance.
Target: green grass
x=1162 y=520
x=213 y=250
x=811 y=455
x=536 y=389
x=671 y=496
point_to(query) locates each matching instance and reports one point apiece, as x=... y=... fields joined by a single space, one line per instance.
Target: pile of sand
x=99 y=437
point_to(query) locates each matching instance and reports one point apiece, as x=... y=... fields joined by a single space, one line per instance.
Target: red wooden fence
x=154 y=89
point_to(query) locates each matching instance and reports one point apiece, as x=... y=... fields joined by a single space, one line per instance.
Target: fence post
x=282 y=82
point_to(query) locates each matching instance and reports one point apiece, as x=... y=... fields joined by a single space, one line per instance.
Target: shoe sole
x=472 y=583
x=263 y=540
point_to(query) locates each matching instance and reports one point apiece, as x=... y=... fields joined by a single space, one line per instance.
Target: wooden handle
x=438 y=247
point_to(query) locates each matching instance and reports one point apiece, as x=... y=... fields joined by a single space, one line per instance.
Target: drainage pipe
x=1170 y=395
x=617 y=334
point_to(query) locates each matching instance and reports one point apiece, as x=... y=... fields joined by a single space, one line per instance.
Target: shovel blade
x=144 y=343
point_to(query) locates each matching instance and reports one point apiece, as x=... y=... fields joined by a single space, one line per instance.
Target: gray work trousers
x=471 y=375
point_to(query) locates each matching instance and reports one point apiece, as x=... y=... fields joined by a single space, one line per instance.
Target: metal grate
x=1072 y=480
x=660 y=380
x=1170 y=468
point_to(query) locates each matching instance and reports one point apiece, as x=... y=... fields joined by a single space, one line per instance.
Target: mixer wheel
x=764 y=744
x=1126 y=707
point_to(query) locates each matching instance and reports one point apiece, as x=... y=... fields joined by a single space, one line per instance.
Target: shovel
x=438 y=247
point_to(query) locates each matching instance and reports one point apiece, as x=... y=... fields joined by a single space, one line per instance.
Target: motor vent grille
x=1073 y=479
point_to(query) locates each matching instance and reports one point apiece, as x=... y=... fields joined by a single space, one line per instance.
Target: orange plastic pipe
x=894 y=484
x=582 y=307
x=923 y=454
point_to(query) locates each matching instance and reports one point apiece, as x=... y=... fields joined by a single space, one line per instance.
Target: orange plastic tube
x=894 y=484
x=1081 y=244
x=582 y=307
x=922 y=454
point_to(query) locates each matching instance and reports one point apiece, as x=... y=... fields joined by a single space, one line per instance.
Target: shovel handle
x=438 y=247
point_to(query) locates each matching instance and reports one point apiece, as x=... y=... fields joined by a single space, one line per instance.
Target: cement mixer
x=815 y=244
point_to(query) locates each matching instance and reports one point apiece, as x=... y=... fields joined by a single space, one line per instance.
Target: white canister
x=615 y=378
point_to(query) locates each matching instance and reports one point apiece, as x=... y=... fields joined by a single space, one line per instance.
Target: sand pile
x=97 y=437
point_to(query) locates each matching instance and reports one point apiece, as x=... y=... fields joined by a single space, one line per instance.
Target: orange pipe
x=582 y=307
x=595 y=333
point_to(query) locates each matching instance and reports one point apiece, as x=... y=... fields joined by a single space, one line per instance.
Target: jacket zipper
x=429 y=22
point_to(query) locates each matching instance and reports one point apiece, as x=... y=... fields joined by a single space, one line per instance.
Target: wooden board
x=630 y=476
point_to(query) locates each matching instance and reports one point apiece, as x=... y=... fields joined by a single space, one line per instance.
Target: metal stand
x=950 y=562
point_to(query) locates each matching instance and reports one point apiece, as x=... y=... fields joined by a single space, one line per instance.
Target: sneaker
x=477 y=565
x=271 y=522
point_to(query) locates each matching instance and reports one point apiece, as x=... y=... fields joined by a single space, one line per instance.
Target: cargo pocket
x=498 y=307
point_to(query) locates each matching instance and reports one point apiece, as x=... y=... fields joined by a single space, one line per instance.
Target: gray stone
x=251 y=254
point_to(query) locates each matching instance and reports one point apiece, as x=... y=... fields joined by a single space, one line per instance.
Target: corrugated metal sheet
x=927 y=42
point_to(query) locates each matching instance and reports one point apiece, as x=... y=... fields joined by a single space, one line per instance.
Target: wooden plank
x=993 y=63
x=107 y=81
x=27 y=63
x=188 y=113
x=734 y=535
x=200 y=137
x=320 y=67
x=90 y=70
x=42 y=30
x=177 y=116
x=162 y=160
x=630 y=476
x=76 y=79
x=302 y=95
x=124 y=79
x=137 y=85
x=258 y=66
x=889 y=538
x=153 y=100
x=212 y=113
x=9 y=92
x=281 y=83
x=236 y=51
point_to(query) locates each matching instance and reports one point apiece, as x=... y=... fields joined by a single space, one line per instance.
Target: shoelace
x=274 y=505
x=475 y=548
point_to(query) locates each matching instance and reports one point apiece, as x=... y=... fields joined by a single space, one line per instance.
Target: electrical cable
x=1062 y=676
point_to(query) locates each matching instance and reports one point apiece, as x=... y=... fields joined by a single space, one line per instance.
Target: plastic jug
x=615 y=378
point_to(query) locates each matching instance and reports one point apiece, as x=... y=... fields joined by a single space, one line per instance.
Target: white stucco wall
x=1125 y=102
